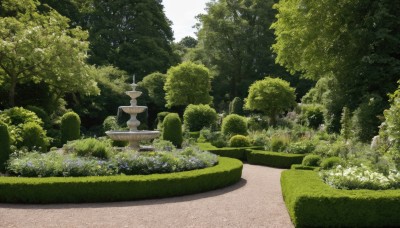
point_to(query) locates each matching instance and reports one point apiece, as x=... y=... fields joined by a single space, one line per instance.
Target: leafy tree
x=40 y=47
x=235 y=37
x=354 y=43
x=153 y=84
x=134 y=36
x=188 y=42
x=188 y=83
x=271 y=96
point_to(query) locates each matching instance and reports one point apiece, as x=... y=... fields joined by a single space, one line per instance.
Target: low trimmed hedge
x=230 y=152
x=274 y=159
x=303 y=167
x=312 y=203
x=118 y=188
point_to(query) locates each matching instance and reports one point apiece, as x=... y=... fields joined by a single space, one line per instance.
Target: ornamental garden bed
x=119 y=188
x=312 y=203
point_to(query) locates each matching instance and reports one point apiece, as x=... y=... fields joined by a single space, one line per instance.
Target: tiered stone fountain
x=133 y=136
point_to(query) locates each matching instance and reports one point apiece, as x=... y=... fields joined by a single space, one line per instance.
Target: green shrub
x=239 y=141
x=329 y=163
x=197 y=117
x=160 y=119
x=15 y=118
x=89 y=147
x=257 y=123
x=274 y=159
x=119 y=188
x=312 y=203
x=70 y=127
x=234 y=125
x=311 y=160
x=110 y=123
x=34 y=137
x=345 y=122
x=172 y=129
x=5 y=144
x=236 y=106
x=17 y=115
x=41 y=113
x=279 y=143
x=312 y=114
x=302 y=147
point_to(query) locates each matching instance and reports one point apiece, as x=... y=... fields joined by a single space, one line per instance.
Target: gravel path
x=256 y=201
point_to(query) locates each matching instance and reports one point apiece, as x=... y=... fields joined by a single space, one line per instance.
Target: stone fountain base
x=133 y=137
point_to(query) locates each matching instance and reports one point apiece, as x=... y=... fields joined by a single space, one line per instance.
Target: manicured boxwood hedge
x=274 y=159
x=312 y=203
x=118 y=188
x=230 y=152
x=303 y=167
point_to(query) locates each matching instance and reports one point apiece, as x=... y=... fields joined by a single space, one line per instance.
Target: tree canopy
x=236 y=38
x=188 y=83
x=353 y=43
x=40 y=47
x=271 y=96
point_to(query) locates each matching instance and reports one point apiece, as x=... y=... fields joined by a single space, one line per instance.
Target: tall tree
x=135 y=36
x=236 y=38
x=355 y=43
x=40 y=47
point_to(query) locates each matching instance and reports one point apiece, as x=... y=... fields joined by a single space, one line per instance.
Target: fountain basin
x=133 y=94
x=133 y=109
x=132 y=135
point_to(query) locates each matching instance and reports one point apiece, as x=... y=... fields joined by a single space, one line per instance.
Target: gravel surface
x=256 y=201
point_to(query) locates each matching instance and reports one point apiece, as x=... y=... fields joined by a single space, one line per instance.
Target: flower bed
x=118 y=188
x=312 y=203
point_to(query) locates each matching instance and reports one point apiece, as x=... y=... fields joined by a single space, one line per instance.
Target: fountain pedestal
x=133 y=136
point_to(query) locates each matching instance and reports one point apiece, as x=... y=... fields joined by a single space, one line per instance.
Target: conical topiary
x=236 y=106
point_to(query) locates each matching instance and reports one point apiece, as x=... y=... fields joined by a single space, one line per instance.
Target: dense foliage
x=179 y=86
x=197 y=117
x=172 y=129
x=70 y=127
x=5 y=144
x=271 y=96
x=234 y=125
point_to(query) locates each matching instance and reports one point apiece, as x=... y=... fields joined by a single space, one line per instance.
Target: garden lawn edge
x=274 y=159
x=312 y=203
x=119 y=188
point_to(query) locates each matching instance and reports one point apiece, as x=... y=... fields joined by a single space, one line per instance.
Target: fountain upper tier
x=133 y=109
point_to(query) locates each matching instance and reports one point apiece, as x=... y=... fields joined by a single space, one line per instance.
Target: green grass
x=312 y=203
x=118 y=188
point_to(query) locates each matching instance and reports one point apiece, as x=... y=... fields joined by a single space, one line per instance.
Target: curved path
x=256 y=201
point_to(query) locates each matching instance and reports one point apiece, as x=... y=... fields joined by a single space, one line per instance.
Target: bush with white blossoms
x=360 y=177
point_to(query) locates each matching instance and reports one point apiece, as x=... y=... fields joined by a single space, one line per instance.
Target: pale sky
x=182 y=13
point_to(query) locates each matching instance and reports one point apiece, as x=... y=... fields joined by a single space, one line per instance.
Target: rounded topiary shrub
x=234 y=125
x=70 y=127
x=331 y=162
x=311 y=160
x=172 y=129
x=110 y=123
x=196 y=117
x=4 y=146
x=236 y=106
x=34 y=137
x=239 y=141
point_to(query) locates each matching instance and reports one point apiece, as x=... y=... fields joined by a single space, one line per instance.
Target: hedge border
x=119 y=188
x=230 y=152
x=304 y=167
x=312 y=203
x=274 y=159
